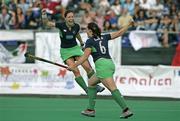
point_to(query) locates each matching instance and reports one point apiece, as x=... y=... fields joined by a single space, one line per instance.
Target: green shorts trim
x=70 y=52
x=105 y=68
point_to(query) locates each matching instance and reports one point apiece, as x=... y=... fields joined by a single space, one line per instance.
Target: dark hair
x=95 y=29
x=68 y=11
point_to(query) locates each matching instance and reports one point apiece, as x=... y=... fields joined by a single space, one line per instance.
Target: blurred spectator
x=23 y=5
x=129 y=5
x=86 y=18
x=167 y=5
x=85 y=6
x=122 y=2
x=107 y=26
x=30 y=21
x=173 y=30
x=72 y=5
x=116 y=7
x=141 y=20
x=111 y=2
x=36 y=9
x=13 y=19
x=161 y=15
x=99 y=18
x=163 y=28
x=152 y=3
x=20 y=18
x=178 y=25
x=158 y=8
x=50 y=5
x=58 y=16
x=173 y=9
x=145 y=5
x=65 y=3
x=113 y=20
x=152 y=22
x=4 y=19
x=12 y=5
x=103 y=6
x=124 y=18
x=136 y=11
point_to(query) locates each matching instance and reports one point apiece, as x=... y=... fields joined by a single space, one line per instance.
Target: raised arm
x=45 y=20
x=121 y=31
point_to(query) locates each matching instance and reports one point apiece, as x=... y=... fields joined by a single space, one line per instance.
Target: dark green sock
x=119 y=99
x=90 y=74
x=92 y=97
x=81 y=83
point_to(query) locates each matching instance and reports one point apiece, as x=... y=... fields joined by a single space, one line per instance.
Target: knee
x=111 y=89
x=90 y=84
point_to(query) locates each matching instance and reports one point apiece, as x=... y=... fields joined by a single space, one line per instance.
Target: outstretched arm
x=121 y=31
x=83 y=58
x=45 y=20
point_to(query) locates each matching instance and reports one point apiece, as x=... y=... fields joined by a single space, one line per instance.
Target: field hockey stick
x=27 y=55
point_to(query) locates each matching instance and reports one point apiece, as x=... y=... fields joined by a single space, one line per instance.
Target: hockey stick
x=27 y=55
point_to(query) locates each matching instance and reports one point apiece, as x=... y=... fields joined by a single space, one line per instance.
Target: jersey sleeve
x=107 y=36
x=78 y=28
x=58 y=25
x=88 y=44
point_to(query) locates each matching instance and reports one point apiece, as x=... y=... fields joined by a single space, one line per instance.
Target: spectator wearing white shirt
x=4 y=19
x=102 y=5
x=116 y=7
x=158 y=7
x=145 y=5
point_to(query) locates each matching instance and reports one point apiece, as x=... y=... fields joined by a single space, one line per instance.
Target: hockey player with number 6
x=97 y=46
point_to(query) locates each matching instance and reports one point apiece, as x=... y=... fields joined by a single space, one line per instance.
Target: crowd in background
x=159 y=15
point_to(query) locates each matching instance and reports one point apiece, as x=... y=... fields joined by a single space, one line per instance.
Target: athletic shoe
x=88 y=112
x=126 y=114
x=99 y=88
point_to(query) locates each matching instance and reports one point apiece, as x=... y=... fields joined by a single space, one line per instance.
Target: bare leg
x=110 y=84
x=77 y=74
x=90 y=72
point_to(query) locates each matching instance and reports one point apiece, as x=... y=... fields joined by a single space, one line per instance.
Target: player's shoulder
x=76 y=25
x=60 y=24
x=89 y=40
x=106 y=36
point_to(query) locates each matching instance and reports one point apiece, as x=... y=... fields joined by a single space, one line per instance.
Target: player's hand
x=131 y=22
x=71 y=68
